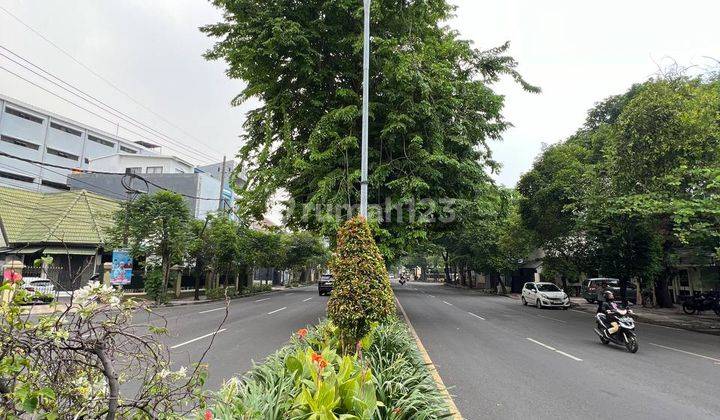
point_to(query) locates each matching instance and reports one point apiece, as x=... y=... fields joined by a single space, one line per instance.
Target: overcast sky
x=578 y=52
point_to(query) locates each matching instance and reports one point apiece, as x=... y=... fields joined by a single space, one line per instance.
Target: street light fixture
x=366 y=98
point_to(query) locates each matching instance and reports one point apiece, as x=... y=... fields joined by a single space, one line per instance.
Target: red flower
x=302 y=332
x=12 y=277
x=208 y=415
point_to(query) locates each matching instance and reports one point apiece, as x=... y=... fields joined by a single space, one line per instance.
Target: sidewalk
x=707 y=323
x=63 y=301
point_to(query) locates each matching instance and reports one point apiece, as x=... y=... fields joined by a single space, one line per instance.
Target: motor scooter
x=625 y=335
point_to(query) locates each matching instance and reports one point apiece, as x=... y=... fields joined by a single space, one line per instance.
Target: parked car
x=38 y=285
x=325 y=284
x=38 y=289
x=544 y=295
x=592 y=289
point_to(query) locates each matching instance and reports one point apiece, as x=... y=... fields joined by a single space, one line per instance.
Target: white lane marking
x=569 y=355
x=686 y=352
x=577 y=359
x=261 y=300
x=553 y=319
x=198 y=338
x=431 y=295
x=307 y=299
x=476 y=316
x=212 y=310
x=277 y=310
x=447 y=303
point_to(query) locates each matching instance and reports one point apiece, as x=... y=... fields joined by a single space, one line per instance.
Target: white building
x=140 y=164
x=35 y=134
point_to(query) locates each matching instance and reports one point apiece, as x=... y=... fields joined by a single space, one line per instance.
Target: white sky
x=578 y=52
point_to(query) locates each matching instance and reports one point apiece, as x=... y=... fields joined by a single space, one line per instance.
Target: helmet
x=608 y=295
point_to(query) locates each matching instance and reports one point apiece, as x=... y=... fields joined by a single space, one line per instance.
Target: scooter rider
x=607 y=308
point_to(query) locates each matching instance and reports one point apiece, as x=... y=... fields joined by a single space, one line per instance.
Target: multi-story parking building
x=42 y=136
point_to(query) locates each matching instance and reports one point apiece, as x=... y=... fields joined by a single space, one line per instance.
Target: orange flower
x=302 y=332
x=208 y=415
x=319 y=360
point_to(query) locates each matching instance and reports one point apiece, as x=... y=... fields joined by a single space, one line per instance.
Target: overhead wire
x=107 y=190
x=161 y=187
x=97 y=102
x=186 y=154
x=96 y=74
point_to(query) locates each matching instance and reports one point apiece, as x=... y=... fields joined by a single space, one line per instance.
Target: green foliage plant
x=361 y=290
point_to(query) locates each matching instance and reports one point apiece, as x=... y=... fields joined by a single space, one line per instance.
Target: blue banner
x=122 y=266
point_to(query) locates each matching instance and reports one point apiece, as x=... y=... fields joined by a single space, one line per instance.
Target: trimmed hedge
x=361 y=287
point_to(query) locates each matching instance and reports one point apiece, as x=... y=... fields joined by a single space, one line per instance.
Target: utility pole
x=222 y=186
x=128 y=191
x=366 y=99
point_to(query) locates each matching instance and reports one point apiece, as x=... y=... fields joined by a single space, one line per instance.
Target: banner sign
x=122 y=266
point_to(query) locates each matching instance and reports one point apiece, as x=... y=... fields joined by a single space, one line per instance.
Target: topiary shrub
x=361 y=288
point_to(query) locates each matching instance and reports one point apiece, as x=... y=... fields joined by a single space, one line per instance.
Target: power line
x=115 y=193
x=93 y=72
x=108 y=173
x=97 y=102
x=86 y=109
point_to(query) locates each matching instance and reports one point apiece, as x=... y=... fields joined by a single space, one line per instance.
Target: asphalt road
x=255 y=327
x=502 y=360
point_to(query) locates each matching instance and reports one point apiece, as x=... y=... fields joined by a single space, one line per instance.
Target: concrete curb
x=455 y=413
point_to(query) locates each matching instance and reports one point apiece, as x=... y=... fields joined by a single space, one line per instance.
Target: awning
x=69 y=250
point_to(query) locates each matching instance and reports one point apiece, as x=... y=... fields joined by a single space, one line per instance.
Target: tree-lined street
x=493 y=353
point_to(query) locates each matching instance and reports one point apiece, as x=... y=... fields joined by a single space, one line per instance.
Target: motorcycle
x=625 y=335
x=703 y=302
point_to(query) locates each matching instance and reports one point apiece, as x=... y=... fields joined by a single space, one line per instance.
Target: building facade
x=35 y=134
x=200 y=191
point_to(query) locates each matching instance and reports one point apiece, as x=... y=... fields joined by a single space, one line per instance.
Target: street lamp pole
x=366 y=99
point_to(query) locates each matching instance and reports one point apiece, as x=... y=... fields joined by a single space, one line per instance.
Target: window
x=548 y=288
x=101 y=141
x=154 y=170
x=23 y=115
x=18 y=142
x=16 y=177
x=58 y=185
x=65 y=129
x=62 y=154
x=127 y=150
x=133 y=170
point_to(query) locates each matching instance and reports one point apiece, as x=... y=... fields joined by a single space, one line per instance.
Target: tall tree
x=433 y=111
x=157 y=227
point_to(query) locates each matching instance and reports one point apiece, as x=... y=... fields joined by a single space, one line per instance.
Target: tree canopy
x=633 y=187
x=432 y=109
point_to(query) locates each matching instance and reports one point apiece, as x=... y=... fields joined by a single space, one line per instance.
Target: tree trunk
x=623 y=290
x=112 y=377
x=662 y=291
x=198 y=273
x=502 y=285
x=446 y=260
x=165 y=273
